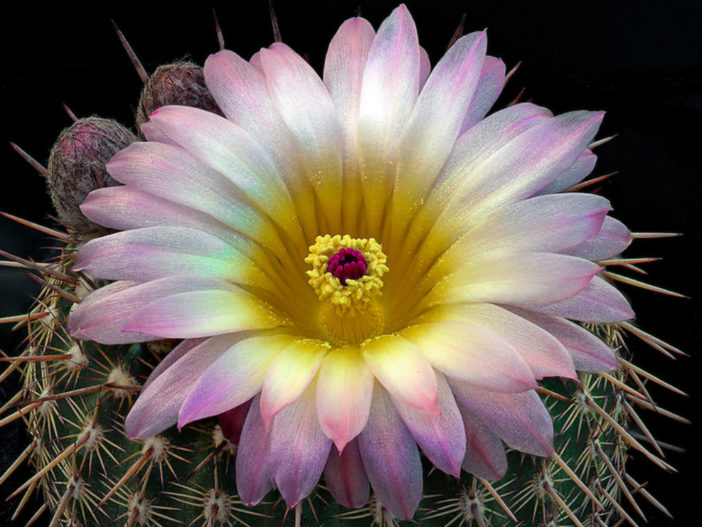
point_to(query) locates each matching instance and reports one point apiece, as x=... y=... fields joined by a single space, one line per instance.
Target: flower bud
x=77 y=167
x=180 y=83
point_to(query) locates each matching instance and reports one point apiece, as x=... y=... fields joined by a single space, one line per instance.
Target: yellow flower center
x=347 y=276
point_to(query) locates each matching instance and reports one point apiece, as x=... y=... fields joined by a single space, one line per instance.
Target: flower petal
x=388 y=93
x=403 y=371
x=156 y=252
x=232 y=152
x=289 y=374
x=253 y=466
x=552 y=223
x=492 y=80
x=124 y=207
x=157 y=406
x=217 y=309
x=436 y=121
x=344 y=392
x=475 y=146
x=530 y=162
x=174 y=355
x=544 y=354
x=102 y=316
x=343 y=76
x=440 y=436
x=518 y=169
x=232 y=379
x=480 y=143
x=520 y=419
x=171 y=173
x=599 y=301
x=612 y=239
x=391 y=458
x=574 y=175
x=424 y=67
x=485 y=455
x=502 y=277
x=231 y=422
x=306 y=107
x=589 y=352
x=473 y=354
x=241 y=92
x=299 y=449
x=345 y=476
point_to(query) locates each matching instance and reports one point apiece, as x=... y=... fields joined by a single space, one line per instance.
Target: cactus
x=76 y=394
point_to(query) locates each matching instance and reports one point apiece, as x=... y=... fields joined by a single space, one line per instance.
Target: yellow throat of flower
x=347 y=276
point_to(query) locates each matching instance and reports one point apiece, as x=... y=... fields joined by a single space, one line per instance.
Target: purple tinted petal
x=232 y=422
x=552 y=223
x=536 y=158
x=473 y=354
x=220 y=308
x=424 y=67
x=441 y=437
x=234 y=378
x=575 y=174
x=612 y=239
x=228 y=149
x=490 y=84
x=157 y=406
x=155 y=252
x=588 y=351
x=391 y=458
x=124 y=207
x=436 y=121
x=299 y=449
x=485 y=455
x=174 y=355
x=519 y=169
x=241 y=92
x=544 y=354
x=519 y=419
x=345 y=476
x=305 y=105
x=484 y=140
x=521 y=279
x=103 y=315
x=599 y=301
x=343 y=76
x=169 y=172
x=253 y=474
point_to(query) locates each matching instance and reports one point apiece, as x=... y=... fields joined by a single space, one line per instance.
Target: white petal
x=388 y=93
x=307 y=108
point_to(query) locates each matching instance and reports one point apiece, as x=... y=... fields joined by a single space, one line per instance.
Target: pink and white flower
x=362 y=266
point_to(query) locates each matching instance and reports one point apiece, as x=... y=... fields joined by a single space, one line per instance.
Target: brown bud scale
x=77 y=167
x=181 y=83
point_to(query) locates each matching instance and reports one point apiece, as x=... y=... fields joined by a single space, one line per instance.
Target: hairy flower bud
x=77 y=167
x=181 y=83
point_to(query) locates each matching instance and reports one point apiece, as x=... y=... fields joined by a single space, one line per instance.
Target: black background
x=639 y=61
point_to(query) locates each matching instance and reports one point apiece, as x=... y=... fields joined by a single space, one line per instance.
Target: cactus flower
x=361 y=266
